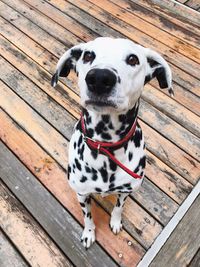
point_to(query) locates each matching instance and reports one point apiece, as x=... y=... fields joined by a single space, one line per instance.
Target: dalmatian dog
x=102 y=159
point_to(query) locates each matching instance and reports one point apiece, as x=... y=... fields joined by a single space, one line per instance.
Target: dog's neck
x=110 y=127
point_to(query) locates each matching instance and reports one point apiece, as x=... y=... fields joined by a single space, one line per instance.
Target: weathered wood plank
x=63 y=95
x=129 y=31
x=196 y=260
x=195 y=4
x=172 y=109
x=173 y=10
x=170 y=129
x=33 y=243
x=167 y=24
x=9 y=257
x=29 y=68
x=184 y=241
x=166 y=15
x=46 y=169
x=49 y=213
x=150 y=30
x=169 y=153
x=182 y=78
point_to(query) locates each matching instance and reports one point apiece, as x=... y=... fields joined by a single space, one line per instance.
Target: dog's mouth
x=101 y=103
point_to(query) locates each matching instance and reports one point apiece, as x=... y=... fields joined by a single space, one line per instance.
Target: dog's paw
x=115 y=225
x=88 y=237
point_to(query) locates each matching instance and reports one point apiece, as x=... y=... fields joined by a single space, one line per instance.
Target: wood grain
x=25 y=233
x=9 y=257
x=184 y=241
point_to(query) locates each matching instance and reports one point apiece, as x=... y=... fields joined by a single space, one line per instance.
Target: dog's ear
x=157 y=67
x=66 y=63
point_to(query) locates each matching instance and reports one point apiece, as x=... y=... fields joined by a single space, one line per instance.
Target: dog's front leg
x=116 y=215
x=88 y=235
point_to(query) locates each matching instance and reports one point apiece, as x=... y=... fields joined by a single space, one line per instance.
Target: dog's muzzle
x=100 y=81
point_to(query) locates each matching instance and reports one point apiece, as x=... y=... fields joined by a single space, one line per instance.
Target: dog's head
x=112 y=72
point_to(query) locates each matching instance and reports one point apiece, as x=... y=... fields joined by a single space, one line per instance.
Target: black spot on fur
x=98 y=189
x=137 y=138
x=90 y=132
x=94 y=174
x=118 y=203
x=80 y=140
x=111 y=185
x=74 y=145
x=83 y=179
x=112 y=178
x=82 y=204
x=106 y=136
x=110 y=126
x=104 y=174
x=78 y=165
x=94 y=153
x=99 y=128
x=69 y=171
x=87 y=169
x=113 y=165
x=89 y=215
x=81 y=151
x=130 y=156
x=106 y=118
x=142 y=164
x=76 y=53
x=88 y=200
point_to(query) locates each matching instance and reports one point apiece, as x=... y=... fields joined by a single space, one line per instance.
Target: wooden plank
x=169 y=153
x=196 y=260
x=167 y=24
x=182 y=78
x=195 y=4
x=129 y=31
x=174 y=10
x=49 y=213
x=170 y=129
x=183 y=243
x=33 y=243
x=63 y=95
x=30 y=69
x=154 y=227
x=9 y=257
x=38 y=34
x=150 y=30
x=172 y=109
x=37 y=99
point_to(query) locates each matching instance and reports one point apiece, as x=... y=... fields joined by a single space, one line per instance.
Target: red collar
x=101 y=147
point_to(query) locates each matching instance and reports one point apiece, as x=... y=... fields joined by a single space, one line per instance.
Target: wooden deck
x=40 y=219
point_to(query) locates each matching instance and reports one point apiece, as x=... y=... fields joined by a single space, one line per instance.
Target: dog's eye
x=88 y=57
x=132 y=60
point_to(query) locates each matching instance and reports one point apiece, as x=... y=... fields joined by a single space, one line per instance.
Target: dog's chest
x=90 y=172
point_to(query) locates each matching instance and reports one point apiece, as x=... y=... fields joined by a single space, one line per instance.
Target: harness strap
x=101 y=147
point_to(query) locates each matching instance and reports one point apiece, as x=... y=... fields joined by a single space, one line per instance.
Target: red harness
x=101 y=147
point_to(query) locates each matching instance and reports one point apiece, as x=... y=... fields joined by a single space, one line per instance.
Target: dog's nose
x=100 y=81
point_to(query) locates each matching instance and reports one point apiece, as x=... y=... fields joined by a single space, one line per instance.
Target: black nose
x=100 y=81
